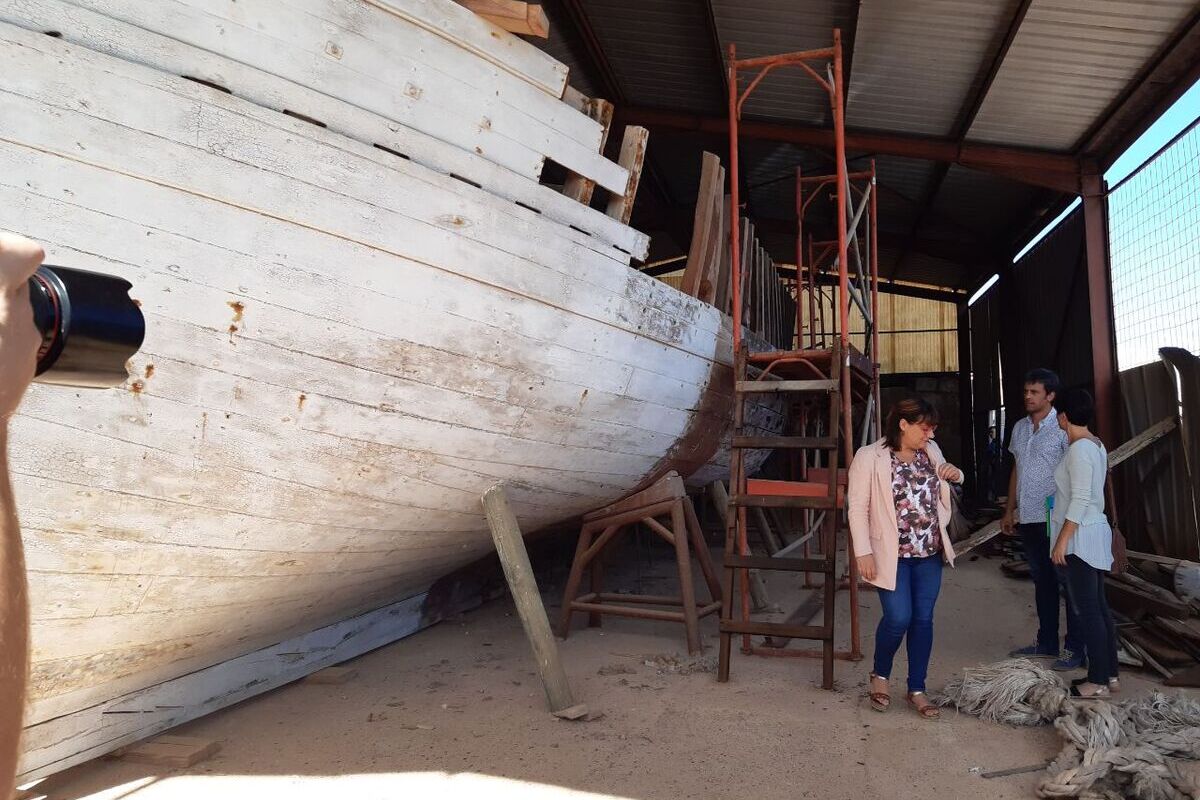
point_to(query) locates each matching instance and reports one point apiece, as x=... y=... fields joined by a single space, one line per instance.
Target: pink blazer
x=874 y=528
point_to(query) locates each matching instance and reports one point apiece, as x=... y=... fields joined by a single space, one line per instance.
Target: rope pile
x=1110 y=750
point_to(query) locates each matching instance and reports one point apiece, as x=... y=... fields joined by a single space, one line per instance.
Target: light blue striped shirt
x=1079 y=497
x=1038 y=453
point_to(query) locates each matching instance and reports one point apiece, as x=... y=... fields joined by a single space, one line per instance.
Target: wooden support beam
x=632 y=158
x=176 y=752
x=526 y=19
x=333 y=675
x=510 y=546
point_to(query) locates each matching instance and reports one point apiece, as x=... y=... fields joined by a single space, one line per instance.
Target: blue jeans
x=908 y=611
x=1085 y=596
x=1049 y=584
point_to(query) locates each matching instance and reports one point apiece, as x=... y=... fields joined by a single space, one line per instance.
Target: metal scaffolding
x=822 y=378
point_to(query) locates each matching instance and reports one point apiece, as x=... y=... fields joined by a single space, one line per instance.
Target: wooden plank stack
x=1157 y=600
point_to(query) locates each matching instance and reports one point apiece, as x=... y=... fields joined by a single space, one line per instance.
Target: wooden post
x=632 y=158
x=517 y=571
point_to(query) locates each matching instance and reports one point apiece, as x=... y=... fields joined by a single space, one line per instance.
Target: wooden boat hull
x=344 y=349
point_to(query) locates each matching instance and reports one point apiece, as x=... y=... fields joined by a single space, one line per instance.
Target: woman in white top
x=1082 y=540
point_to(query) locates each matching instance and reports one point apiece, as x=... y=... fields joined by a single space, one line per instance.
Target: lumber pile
x=1157 y=600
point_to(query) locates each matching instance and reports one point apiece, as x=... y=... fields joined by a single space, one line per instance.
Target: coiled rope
x=1110 y=750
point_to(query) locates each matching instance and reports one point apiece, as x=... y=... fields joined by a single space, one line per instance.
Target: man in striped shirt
x=1038 y=445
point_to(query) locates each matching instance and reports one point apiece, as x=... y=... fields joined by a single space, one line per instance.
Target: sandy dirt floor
x=457 y=711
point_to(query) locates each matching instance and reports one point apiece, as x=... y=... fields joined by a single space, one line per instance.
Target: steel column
x=1104 y=357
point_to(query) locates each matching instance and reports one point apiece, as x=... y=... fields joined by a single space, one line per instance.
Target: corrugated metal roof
x=565 y=46
x=916 y=67
x=981 y=202
x=662 y=52
x=917 y=63
x=770 y=27
x=1068 y=63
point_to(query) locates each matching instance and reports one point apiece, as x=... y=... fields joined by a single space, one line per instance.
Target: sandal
x=880 y=701
x=927 y=711
x=1114 y=684
x=1101 y=693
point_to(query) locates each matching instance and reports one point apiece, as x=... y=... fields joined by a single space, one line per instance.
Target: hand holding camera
x=19 y=339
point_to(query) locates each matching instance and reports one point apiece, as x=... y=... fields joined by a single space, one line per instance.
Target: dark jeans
x=908 y=610
x=1048 y=585
x=1085 y=593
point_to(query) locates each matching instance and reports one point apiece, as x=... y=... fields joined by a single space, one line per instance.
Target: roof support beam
x=1035 y=167
x=900 y=289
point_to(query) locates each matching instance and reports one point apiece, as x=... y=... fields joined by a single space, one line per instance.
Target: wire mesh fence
x=1154 y=246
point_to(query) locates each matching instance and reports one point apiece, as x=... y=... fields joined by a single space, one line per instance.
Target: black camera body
x=90 y=326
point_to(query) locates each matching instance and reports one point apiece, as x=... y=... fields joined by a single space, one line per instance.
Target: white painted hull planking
x=344 y=347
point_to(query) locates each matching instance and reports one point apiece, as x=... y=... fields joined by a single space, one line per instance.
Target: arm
x=1079 y=468
x=858 y=511
x=19 y=257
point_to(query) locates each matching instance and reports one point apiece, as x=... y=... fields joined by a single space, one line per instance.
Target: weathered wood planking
x=344 y=349
x=113 y=37
x=465 y=29
x=59 y=743
x=447 y=93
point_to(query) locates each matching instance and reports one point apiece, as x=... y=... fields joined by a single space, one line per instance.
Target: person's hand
x=866 y=567
x=1059 y=556
x=1008 y=523
x=19 y=338
x=949 y=472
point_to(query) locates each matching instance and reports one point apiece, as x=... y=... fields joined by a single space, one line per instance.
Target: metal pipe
x=874 y=222
x=735 y=239
x=795 y=56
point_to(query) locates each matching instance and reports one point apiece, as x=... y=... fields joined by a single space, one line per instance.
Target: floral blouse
x=915 y=488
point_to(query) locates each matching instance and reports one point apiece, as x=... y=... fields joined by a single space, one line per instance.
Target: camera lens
x=90 y=327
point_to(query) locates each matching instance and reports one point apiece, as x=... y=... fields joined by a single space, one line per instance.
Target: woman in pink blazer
x=899 y=508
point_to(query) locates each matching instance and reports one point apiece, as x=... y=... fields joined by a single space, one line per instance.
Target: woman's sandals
x=1114 y=684
x=880 y=701
x=922 y=706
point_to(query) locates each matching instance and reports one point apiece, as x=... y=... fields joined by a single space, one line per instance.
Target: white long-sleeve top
x=1079 y=497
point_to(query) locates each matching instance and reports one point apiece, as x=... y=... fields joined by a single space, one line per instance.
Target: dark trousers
x=1085 y=593
x=1048 y=586
x=908 y=612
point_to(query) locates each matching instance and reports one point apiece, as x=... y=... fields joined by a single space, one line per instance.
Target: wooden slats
x=785 y=442
x=774 y=629
x=775 y=563
x=131 y=43
x=406 y=70
x=768 y=501
x=764 y=387
x=577 y=187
